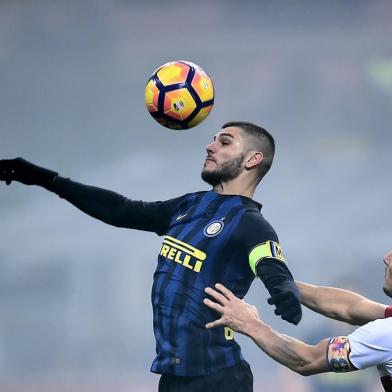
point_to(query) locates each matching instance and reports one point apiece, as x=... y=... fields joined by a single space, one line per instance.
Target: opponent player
x=369 y=345
x=210 y=236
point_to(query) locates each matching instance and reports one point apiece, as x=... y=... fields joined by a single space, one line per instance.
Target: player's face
x=225 y=156
x=388 y=274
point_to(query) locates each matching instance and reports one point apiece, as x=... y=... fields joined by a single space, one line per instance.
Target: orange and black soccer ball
x=179 y=95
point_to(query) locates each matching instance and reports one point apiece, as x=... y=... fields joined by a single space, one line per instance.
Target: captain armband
x=338 y=355
x=265 y=250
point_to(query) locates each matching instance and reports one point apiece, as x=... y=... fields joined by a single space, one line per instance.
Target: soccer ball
x=179 y=95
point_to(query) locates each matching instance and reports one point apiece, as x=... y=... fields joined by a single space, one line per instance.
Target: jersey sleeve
x=371 y=344
x=261 y=241
x=115 y=209
x=267 y=262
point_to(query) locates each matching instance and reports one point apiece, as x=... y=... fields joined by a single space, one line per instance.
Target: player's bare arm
x=340 y=304
x=300 y=357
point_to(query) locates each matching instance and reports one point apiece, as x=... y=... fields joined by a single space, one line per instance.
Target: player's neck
x=234 y=188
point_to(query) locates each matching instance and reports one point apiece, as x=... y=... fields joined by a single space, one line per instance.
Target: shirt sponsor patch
x=182 y=253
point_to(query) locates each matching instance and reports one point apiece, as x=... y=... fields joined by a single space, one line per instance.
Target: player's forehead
x=230 y=132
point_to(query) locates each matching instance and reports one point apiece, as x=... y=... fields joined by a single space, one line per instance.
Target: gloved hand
x=287 y=301
x=25 y=172
x=284 y=292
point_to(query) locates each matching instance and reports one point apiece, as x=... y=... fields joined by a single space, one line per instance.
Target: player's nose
x=211 y=148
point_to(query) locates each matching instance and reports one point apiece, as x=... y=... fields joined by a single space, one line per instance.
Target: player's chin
x=210 y=176
x=207 y=170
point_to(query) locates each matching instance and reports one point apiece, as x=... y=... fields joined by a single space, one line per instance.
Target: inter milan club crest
x=214 y=228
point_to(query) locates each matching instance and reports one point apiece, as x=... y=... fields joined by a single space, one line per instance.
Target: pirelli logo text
x=182 y=253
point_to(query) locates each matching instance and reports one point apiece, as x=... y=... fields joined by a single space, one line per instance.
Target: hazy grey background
x=75 y=311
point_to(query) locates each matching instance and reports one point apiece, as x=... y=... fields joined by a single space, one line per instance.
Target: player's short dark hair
x=259 y=139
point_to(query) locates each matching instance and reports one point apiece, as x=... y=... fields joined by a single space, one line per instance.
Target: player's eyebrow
x=224 y=134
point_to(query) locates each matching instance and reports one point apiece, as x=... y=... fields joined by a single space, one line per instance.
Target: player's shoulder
x=254 y=217
x=193 y=195
x=379 y=325
x=183 y=202
x=256 y=228
x=375 y=332
x=185 y=197
x=383 y=325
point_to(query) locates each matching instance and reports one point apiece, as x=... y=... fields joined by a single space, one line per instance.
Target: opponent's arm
x=340 y=304
x=328 y=355
x=101 y=204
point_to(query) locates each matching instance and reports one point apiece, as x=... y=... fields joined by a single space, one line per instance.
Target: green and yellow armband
x=265 y=250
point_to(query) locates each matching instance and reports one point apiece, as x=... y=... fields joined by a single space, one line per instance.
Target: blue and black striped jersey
x=208 y=239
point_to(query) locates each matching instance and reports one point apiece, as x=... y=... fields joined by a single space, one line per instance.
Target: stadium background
x=74 y=292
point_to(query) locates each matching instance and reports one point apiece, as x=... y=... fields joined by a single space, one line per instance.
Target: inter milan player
x=209 y=236
x=369 y=345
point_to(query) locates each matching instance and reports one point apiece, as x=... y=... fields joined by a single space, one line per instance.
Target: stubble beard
x=228 y=171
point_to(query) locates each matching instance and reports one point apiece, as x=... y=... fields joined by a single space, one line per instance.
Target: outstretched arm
x=102 y=204
x=300 y=357
x=113 y=208
x=340 y=304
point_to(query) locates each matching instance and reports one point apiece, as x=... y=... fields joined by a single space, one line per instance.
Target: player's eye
x=225 y=142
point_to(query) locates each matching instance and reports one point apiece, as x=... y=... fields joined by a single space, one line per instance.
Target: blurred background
x=75 y=311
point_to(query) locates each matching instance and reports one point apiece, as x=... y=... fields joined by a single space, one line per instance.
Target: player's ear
x=254 y=159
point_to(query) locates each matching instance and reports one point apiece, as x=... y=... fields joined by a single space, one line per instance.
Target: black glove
x=284 y=292
x=25 y=172
x=287 y=301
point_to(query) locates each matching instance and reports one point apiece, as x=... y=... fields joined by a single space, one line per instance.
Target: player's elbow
x=306 y=365
x=354 y=318
x=311 y=359
x=307 y=371
x=304 y=369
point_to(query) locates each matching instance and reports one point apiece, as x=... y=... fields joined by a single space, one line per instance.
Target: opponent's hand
x=235 y=313
x=287 y=302
x=25 y=172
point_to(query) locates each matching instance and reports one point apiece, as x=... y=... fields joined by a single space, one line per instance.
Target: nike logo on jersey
x=179 y=217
